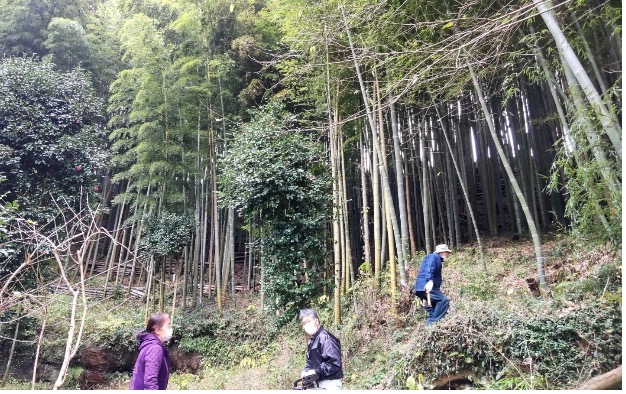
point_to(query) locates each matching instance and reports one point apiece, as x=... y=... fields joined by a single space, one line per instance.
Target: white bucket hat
x=442 y=248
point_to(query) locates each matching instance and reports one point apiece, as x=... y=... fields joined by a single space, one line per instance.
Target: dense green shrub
x=560 y=348
x=52 y=136
x=276 y=174
x=166 y=234
x=560 y=345
x=227 y=339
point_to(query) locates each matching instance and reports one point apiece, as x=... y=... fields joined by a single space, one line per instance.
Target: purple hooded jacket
x=152 y=368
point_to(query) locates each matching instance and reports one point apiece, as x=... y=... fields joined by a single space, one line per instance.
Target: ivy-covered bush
x=559 y=345
x=275 y=173
x=559 y=349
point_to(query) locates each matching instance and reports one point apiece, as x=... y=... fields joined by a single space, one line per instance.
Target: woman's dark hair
x=156 y=321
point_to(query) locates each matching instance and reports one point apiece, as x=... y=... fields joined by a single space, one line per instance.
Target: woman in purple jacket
x=152 y=368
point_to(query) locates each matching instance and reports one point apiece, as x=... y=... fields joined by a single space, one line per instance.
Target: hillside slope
x=497 y=334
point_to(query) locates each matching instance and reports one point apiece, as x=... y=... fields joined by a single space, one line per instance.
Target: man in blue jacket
x=323 y=353
x=428 y=284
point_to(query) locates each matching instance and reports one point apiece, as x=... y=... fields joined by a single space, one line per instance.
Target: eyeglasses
x=306 y=321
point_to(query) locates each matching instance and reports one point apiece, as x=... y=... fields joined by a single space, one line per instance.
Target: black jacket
x=323 y=354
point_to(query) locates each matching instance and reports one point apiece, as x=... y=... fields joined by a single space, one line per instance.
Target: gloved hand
x=429 y=286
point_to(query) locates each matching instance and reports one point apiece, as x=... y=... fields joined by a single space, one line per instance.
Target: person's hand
x=307 y=372
x=429 y=286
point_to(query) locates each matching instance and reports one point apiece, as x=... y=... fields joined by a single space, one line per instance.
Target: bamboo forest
x=436 y=184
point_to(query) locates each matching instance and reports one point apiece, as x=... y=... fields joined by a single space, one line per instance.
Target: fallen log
x=607 y=381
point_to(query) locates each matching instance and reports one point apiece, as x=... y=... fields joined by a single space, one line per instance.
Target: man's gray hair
x=308 y=312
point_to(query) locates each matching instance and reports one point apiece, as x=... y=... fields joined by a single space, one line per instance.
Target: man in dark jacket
x=428 y=284
x=323 y=353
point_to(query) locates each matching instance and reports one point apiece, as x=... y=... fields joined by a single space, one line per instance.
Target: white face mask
x=310 y=328
x=168 y=334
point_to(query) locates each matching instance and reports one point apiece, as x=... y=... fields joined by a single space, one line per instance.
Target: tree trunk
x=136 y=249
x=366 y=229
x=250 y=253
x=415 y=182
x=464 y=190
x=592 y=62
x=486 y=179
x=111 y=257
x=425 y=189
x=341 y=214
x=400 y=176
x=149 y=281
x=375 y=142
x=216 y=258
x=606 y=169
x=204 y=256
x=346 y=228
x=162 y=285
x=231 y=245
x=518 y=192
x=185 y=275
x=611 y=127
x=332 y=131
x=377 y=217
x=121 y=264
x=336 y=230
x=226 y=258
x=194 y=253
x=468 y=169
x=262 y=259
x=409 y=213
x=567 y=138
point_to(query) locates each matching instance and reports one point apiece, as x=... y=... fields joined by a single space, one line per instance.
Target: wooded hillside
x=196 y=152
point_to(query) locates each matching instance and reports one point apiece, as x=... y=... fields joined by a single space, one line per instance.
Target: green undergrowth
x=229 y=339
x=16 y=384
x=555 y=349
x=497 y=334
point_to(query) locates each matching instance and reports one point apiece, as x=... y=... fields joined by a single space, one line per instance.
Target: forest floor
x=499 y=332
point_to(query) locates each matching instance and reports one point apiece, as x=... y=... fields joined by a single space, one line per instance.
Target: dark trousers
x=439 y=305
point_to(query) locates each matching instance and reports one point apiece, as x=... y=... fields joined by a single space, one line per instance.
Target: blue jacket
x=323 y=354
x=430 y=270
x=152 y=368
